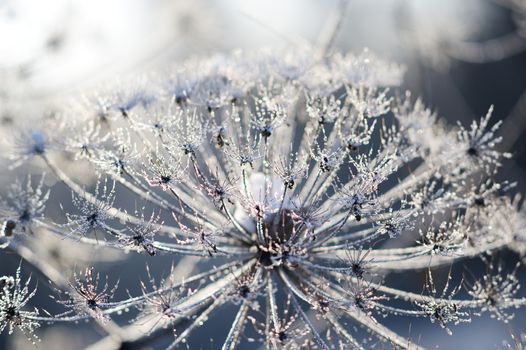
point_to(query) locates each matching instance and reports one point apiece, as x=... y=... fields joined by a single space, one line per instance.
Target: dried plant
x=296 y=180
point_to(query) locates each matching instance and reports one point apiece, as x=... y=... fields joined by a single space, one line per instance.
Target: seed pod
x=8 y=228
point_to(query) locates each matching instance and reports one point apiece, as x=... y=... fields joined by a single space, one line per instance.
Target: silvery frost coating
x=298 y=182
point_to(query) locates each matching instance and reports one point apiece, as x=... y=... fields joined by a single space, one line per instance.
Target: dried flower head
x=23 y=208
x=496 y=290
x=14 y=296
x=88 y=295
x=293 y=180
x=440 y=306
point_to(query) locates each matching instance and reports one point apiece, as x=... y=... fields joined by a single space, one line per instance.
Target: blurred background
x=461 y=58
